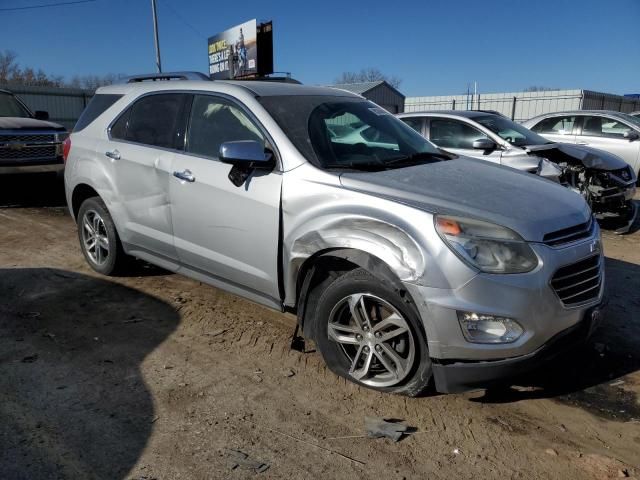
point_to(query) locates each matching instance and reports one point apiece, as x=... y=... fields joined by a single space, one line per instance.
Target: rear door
x=558 y=129
x=607 y=133
x=141 y=148
x=228 y=234
x=457 y=137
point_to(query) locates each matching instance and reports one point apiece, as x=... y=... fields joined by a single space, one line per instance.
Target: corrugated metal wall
x=524 y=105
x=63 y=104
x=386 y=98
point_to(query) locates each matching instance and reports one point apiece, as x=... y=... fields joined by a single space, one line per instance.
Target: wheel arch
x=80 y=193
x=324 y=266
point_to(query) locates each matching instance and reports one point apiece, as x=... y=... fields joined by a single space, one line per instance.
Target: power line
x=45 y=5
x=182 y=19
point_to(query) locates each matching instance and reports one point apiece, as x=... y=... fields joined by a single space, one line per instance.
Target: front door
x=229 y=234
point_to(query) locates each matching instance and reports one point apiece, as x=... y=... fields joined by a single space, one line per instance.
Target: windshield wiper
x=366 y=167
x=415 y=158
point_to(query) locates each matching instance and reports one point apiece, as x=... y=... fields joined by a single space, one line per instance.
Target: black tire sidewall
x=115 y=252
x=361 y=281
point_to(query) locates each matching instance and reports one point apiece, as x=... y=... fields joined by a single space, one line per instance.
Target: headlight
x=485 y=246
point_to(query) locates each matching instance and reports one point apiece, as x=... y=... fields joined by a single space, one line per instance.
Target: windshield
x=510 y=131
x=631 y=118
x=348 y=132
x=11 y=107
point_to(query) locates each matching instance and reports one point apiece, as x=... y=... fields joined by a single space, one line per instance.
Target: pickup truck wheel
x=99 y=239
x=369 y=334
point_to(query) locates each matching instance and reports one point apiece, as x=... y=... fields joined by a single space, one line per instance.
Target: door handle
x=186 y=175
x=113 y=154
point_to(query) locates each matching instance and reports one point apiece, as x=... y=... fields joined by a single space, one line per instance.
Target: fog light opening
x=480 y=328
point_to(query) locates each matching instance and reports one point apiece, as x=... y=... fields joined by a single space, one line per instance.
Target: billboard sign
x=234 y=52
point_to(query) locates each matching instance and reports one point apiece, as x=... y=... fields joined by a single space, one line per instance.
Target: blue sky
x=436 y=47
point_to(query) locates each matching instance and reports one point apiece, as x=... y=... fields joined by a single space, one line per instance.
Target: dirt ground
x=155 y=376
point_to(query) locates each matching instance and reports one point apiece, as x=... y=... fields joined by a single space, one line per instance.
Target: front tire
x=99 y=240
x=371 y=335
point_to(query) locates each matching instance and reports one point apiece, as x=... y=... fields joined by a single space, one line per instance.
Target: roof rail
x=165 y=76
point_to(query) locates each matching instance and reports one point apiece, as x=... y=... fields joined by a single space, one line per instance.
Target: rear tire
x=371 y=335
x=99 y=240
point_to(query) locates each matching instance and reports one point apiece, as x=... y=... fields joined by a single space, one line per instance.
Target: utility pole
x=155 y=35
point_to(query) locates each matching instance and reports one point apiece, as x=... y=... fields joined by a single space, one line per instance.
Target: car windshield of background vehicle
x=345 y=132
x=510 y=131
x=635 y=119
x=10 y=107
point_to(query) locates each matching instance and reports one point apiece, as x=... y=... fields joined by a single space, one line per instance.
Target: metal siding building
x=521 y=106
x=63 y=104
x=379 y=92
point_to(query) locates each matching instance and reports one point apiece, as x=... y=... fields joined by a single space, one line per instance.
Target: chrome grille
x=32 y=153
x=32 y=138
x=571 y=234
x=579 y=282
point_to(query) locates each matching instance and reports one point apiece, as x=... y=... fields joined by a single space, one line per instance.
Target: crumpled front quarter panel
x=319 y=215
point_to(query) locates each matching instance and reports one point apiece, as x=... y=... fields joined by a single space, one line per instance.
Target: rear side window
x=556 y=125
x=155 y=120
x=98 y=104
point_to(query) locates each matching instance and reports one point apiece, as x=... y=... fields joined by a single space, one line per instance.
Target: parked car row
x=604 y=179
x=405 y=267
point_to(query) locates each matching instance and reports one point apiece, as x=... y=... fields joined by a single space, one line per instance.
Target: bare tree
x=370 y=74
x=8 y=65
x=12 y=73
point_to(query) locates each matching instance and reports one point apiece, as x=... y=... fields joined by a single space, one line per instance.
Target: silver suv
x=403 y=266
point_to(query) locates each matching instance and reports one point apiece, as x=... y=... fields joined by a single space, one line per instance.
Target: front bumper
x=458 y=376
x=57 y=167
x=528 y=298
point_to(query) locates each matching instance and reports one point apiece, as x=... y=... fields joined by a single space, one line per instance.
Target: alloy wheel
x=375 y=338
x=95 y=238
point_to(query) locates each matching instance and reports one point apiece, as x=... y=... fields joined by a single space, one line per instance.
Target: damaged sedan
x=606 y=182
x=406 y=269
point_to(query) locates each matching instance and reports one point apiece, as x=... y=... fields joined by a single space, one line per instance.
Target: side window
x=414 y=122
x=152 y=120
x=614 y=128
x=98 y=104
x=556 y=125
x=454 y=134
x=214 y=121
x=603 y=127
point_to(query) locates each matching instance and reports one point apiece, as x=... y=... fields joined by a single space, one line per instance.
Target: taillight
x=66 y=148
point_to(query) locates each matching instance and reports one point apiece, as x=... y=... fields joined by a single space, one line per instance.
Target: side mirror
x=631 y=135
x=246 y=153
x=484 y=144
x=245 y=156
x=41 y=115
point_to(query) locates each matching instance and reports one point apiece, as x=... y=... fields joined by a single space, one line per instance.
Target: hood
x=526 y=203
x=18 y=123
x=589 y=157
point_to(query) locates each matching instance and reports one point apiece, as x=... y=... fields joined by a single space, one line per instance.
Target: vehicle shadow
x=73 y=401
x=589 y=376
x=32 y=190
